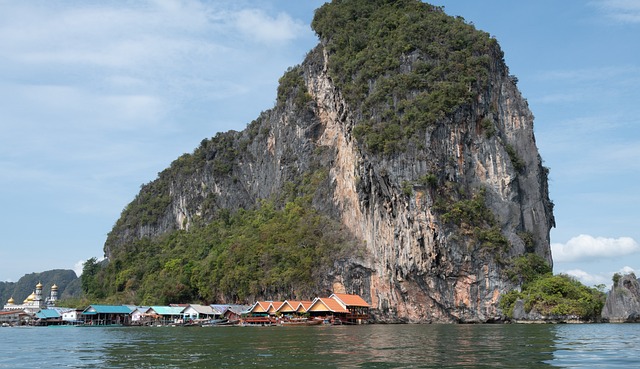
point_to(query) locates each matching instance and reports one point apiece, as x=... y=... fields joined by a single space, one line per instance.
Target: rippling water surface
x=369 y=346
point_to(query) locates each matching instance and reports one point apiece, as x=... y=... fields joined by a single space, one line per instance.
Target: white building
x=71 y=316
x=34 y=302
x=139 y=314
x=195 y=312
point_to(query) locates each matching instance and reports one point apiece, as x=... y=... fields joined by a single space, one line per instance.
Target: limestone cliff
x=623 y=301
x=440 y=211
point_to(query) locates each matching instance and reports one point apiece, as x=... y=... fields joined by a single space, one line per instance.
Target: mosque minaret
x=35 y=301
x=38 y=298
x=51 y=301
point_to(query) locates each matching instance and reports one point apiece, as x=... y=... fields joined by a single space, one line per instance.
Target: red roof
x=349 y=300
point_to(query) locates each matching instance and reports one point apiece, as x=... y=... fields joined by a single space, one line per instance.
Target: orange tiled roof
x=260 y=307
x=288 y=306
x=294 y=305
x=329 y=305
x=304 y=305
x=350 y=300
x=275 y=305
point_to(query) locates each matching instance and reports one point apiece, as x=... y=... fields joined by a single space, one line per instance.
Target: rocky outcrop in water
x=623 y=301
x=520 y=315
x=440 y=211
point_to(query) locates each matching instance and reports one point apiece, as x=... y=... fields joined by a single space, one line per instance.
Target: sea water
x=366 y=346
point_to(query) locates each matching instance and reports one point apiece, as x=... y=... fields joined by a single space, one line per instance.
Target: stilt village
x=337 y=309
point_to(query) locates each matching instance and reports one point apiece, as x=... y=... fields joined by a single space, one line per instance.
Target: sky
x=97 y=97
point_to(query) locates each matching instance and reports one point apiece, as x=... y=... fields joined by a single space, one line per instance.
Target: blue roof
x=106 y=309
x=47 y=314
x=167 y=310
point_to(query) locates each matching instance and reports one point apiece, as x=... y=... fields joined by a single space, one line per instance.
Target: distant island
x=66 y=280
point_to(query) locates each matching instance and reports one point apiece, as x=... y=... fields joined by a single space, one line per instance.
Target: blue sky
x=98 y=97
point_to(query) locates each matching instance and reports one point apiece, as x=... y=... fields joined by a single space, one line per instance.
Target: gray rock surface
x=623 y=301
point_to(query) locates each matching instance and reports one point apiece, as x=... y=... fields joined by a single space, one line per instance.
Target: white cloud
x=77 y=267
x=255 y=24
x=590 y=279
x=86 y=80
x=586 y=247
x=595 y=279
x=624 y=11
x=164 y=47
x=626 y=270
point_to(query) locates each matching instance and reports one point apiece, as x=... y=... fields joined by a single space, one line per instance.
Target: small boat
x=258 y=321
x=219 y=322
x=192 y=323
x=303 y=321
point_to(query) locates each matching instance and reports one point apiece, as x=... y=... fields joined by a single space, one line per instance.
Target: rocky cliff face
x=623 y=301
x=419 y=264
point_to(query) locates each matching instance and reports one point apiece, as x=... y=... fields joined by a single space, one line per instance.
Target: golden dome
x=10 y=300
x=31 y=297
x=54 y=287
x=39 y=286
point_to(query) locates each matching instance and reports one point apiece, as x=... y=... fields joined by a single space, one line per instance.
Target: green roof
x=106 y=309
x=47 y=314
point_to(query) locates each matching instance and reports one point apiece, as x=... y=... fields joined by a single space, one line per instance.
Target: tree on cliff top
x=403 y=65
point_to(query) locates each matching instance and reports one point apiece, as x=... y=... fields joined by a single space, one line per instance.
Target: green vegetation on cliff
x=237 y=257
x=472 y=219
x=291 y=86
x=403 y=65
x=548 y=294
x=216 y=155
